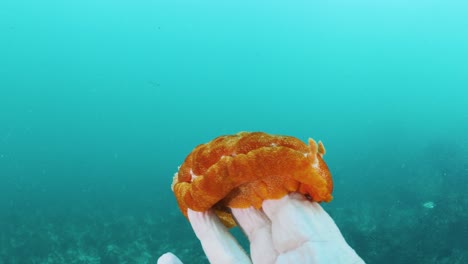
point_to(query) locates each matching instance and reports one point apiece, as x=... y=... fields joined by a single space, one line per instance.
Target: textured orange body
x=242 y=170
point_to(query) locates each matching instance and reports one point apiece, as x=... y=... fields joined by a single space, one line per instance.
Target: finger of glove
x=169 y=258
x=257 y=228
x=219 y=245
x=302 y=231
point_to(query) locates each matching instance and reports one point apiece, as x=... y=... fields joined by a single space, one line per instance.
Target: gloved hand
x=288 y=230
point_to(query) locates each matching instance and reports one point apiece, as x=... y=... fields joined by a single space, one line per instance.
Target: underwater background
x=101 y=101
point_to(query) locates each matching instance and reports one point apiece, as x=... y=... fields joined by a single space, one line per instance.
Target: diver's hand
x=288 y=230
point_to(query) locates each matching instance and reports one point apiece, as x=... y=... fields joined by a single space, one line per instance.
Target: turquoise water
x=100 y=101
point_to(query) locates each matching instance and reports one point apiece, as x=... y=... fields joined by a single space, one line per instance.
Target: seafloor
x=420 y=217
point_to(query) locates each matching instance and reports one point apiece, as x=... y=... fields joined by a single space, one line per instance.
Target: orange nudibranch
x=243 y=170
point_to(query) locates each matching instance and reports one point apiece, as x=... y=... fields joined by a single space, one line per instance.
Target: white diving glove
x=288 y=230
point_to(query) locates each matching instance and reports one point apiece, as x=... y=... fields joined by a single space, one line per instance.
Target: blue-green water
x=100 y=101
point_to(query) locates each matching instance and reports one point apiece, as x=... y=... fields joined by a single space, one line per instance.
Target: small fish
x=429 y=205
